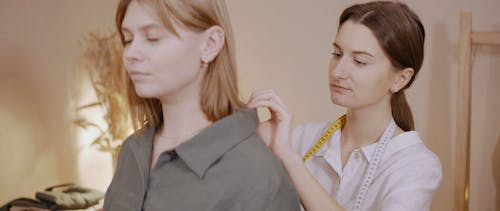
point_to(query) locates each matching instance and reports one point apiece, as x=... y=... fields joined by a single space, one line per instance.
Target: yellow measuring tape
x=325 y=137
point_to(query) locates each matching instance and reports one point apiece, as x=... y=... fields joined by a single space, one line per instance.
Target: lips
x=339 y=88
x=138 y=75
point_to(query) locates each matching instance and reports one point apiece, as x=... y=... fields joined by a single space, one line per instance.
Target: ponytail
x=401 y=111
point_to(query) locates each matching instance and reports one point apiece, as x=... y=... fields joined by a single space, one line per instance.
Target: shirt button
x=356 y=155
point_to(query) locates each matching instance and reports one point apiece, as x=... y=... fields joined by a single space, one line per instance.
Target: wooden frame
x=461 y=164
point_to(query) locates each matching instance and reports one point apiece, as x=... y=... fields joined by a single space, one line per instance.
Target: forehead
x=140 y=14
x=353 y=36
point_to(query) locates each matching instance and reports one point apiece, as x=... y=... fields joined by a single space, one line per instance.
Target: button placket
x=368 y=179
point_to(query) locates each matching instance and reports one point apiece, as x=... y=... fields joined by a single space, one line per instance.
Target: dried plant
x=102 y=61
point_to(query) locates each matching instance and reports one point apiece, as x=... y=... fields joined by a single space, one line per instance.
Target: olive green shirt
x=224 y=167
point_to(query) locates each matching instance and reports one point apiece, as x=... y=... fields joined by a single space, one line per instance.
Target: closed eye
x=153 y=39
x=360 y=63
x=337 y=54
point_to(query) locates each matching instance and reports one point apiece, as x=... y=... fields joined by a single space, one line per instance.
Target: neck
x=182 y=118
x=182 y=112
x=365 y=125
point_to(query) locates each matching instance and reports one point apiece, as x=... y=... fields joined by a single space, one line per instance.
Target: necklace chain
x=181 y=136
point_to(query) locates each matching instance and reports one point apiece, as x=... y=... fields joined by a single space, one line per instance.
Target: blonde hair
x=219 y=88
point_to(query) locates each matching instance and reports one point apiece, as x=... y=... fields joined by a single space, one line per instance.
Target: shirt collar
x=333 y=144
x=397 y=143
x=202 y=150
x=205 y=148
x=330 y=151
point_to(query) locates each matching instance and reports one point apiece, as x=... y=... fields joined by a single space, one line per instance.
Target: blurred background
x=283 y=45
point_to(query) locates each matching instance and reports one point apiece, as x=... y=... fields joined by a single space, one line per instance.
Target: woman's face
x=159 y=63
x=360 y=73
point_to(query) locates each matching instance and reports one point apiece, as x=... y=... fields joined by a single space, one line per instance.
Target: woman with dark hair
x=371 y=158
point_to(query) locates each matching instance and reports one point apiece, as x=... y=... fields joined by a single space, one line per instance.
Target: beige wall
x=38 y=48
x=282 y=44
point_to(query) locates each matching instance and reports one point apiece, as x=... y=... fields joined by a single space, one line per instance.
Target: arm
x=277 y=133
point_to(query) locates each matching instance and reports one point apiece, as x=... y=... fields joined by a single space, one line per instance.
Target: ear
x=402 y=79
x=214 y=40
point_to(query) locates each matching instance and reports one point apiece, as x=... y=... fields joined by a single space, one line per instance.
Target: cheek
x=371 y=85
x=177 y=69
x=175 y=59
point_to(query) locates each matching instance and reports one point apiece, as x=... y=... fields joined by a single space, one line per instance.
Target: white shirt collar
x=398 y=142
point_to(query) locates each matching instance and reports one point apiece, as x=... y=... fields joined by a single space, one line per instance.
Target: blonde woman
x=371 y=158
x=195 y=146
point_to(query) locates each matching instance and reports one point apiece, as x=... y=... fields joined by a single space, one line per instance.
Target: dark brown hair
x=401 y=35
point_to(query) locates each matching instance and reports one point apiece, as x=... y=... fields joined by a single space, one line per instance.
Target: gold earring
x=204 y=61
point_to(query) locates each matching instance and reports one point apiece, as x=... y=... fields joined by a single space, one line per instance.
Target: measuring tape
x=372 y=166
x=325 y=137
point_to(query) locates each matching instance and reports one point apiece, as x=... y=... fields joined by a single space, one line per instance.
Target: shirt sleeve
x=108 y=198
x=413 y=185
x=296 y=138
x=125 y=190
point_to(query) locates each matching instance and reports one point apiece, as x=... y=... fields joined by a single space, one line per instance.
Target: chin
x=340 y=100
x=146 y=92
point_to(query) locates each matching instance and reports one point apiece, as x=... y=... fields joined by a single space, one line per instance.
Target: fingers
x=265 y=95
x=269 y=99
x=276 y=131
x=265 y=130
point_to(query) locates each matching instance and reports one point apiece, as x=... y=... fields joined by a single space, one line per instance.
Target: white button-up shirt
x=406 y=178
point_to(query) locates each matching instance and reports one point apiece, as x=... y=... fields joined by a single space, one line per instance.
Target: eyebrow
x=144 y=28
x=354 y=52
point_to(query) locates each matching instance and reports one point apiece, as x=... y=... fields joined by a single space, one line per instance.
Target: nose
x=132 y=53
x=338 y=68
